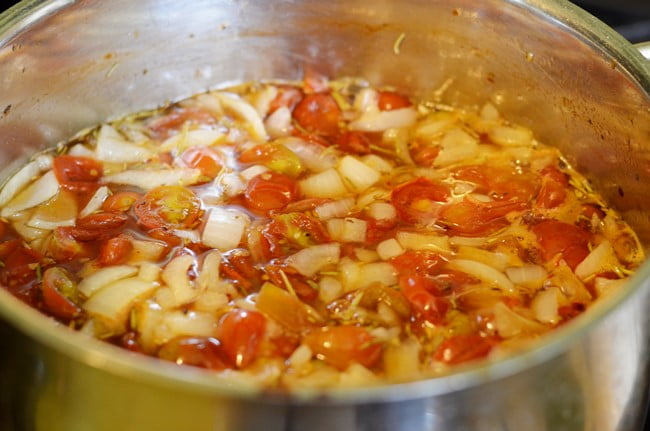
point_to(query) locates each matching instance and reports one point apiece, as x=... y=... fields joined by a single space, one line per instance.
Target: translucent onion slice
x=209 y=276
x=402 y=360
x=338 y=208
x=389 y=248
x=95 y=202
x=545 y=305
x=419 y=241
x=59 y=211
x=378 y=121
x=278 y=124
x=175 y=275
x=377 y=272
x=456 y=146
x=315 y=157
x=377 y=163
x=510 y=136
x=192 y=138
x=224 y=228
x=105 y=276
x=286 y=309
x=112 y=147
x=23 y=177
x=41 y=190
x=496 y=260
x=326 y=184
x=483 y=272
x=347 y=229
x=382 y=211
x=357 y=174
x=600 y=259
x=311 y=260
x=180 y=323
x=242 y=109
x=527 y=275
x=509 y=323
x=152 y=178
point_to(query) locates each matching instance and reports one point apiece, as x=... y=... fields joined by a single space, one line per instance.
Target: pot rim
x=136 y=367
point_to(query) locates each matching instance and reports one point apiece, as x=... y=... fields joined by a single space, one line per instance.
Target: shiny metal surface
x=68 y=64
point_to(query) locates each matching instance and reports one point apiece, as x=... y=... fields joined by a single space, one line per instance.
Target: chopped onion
x=466 y=240
x=209 y=276
x=349 y=273
x=22 y=178
x=456 y=146
x=370 y=196
x=571 y=286
x=527 y=275
x=435 y=125
x=146 y=251
x=311 y=260
x=510 y=136
x=262 y=100
x=348 y=229
x=230 y=184
x=377 y=272
x=418 y=241
x=329 y=288
x=606 y=286
x=389 y=248
x=357 y=174
x=278 y=124
x=600 y=259
x=378 y=121
x=483 y=272
x=112 y=147
x=286 y=309
x=300 y=357
x=402 y=360
x=367 y=99
x=224 y=228
x=152 y=178
x=175 y=275
x=496 y=260
x=38 y=192
x=365 y=255
x=339 y=208
x=187 y=235
x=545 y=305
x=382 y=211
x=249 y=173
x=59 y=211
x=377 y=163
x=238 y=106
x=326 y=184
x=399 y=139
x=315 y=157
x=149 y=271
x=105 y=276
x=192 y=138
x=180 y=323
x=509 y=324
x=95 y=202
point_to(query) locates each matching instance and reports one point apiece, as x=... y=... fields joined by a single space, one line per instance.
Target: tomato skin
x=304 y=291
x=206 y=159
x=423 y=294
x=425 y=156
x=77 y=174
x=558 y=237
x=389 y=100
x=287 y=97
x=417 y=262
x=500 y=182
x=120 y=202
x=115 y=251
x=270 y=191
x=340 y=346
x=57 y=287
x=415 y=200
x=318 y=113
x=354 y=143
x=470 y=217
x=19 y=263
x=99 y=226
x=174 y=207
x=553 y=191
x=238 y=266
x=241 y=332
x=204 y=352
x=464 y=347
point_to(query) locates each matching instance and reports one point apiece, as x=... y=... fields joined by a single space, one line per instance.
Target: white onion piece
x=105 y=276
x=112 y=147
x=509 y=136
x=378 y=121
x=389 y=248
x=188 y=235
x=179 y=323
x=527 y=275
x=249 y=173
x=606 y=286
x=456 y=146
x=315 y=157
x=372 y=195
x=382 y=211
x=19 y=181
x=238 y=106
x=329 y=288
x=496 y=260
x=209 y=276
x=466 y=240
x=366 y=256
x=435 y=125
x=152 y=178
x=278 y=124
x=377 y=163
x=348 y=229
x=41 y=190
x=357 y=174
x=149 y=271
x=311 y=260
x=376 y=272
x=177 y=279
x=419 y=241
x=262 y=100
x=483 y=272
x=80 y=150
x=229 y=184
x=146 y=251
x=114 y=301
x=192 y=138
x=59 y=211
x=367 y=99
x=29 y=233
x=326 y=184
x=339 y=208
x=95 y=202
x=224 y=228
x=508 y=323
x=545 y=305
x=45 y=162
x=600 y=259
x=402 y=360
x=300 y=357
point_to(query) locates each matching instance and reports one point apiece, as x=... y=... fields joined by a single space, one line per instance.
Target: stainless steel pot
x=68 y=64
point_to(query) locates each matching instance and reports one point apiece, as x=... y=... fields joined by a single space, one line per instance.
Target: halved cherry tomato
x=304 y=291
x=64 y=247
x=418 y=200
x=354 y=143
x=315 y=82
x=426 y=155
x=237 y=265
x=340 y=346
x=20 y=263
x=389 y=100
x=556 y=237
x=417 y=262
x=204 y=352
x=554 y=187
x=163 y=127
x=99 y=226
x=425 y=297
x=58 y=290
x=120 y=202
x=206 y=159
x=168 y=206
x=500 y=182
x=278 y=158
x=287 y=97
x=77 y=174
x=270 y=191
x=318 y=113
x=471 y=217
x=287 y=233
x=464 y=347
x=115 y=251
x=241 y=332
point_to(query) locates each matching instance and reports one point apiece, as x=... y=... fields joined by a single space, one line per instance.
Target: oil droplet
x=530 y=56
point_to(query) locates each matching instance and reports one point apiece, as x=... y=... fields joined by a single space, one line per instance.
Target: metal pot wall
x=68 y=64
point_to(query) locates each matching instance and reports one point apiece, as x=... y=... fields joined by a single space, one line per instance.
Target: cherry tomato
x=315 y=82
x=318 y=113
x=204 y=352
x=64 y=247
x=340 y=346
x=58 y=290
x=285 y=345
x=77 y=174
x=425 y=156
x=553 y=190
x=417 y=262
x=278 y=158
x=379 y=230
x=129 y=341
x=241 y=332
x=417 y=200
x=20 y=263
x=354 y=143
x=304 y=291
x=389 y=100
x=287 y=233
x=500 y=182
x=424 y=296
x=120 y=202
x=168 y=206
x=237 y=265
x=115 y=251
x=556 y=237
x=99 y=226
x=470 y=217
x=163 y=127
x=464 y=347
x=287 y=97
x=270 y=191
x=206 y=159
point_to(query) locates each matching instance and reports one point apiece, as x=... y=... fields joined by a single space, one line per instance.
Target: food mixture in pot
x=321 y=233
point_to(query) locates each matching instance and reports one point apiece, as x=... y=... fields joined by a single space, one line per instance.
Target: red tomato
x=99 y=226
x=500 y=182
x=287 y=97
x=305 y=205
x=417 y=262
x=424 y=296
x=77 y=174
x=163 y=127
x=120 y=202
x=553 y=190
x=58 y=288
x=237 y=265
x=115 y=251
x=64 y=247
x=354 y=143
x=315 y=82
x=340 y=346
x=165 y=235
x=270 y=191
x=379 y=230
x=241 y=332
x=204 y=352
x=558 y=237
x=287 y=233
x=285 y=345
x=417 y=200
x=473 y=218
x=464 y=347
x=20 y=263
x=129 y=341
x=206 y=159
x=389 y=100
x=173 y=207
x=318 y=113
x=426 y=155
x=304 y=291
